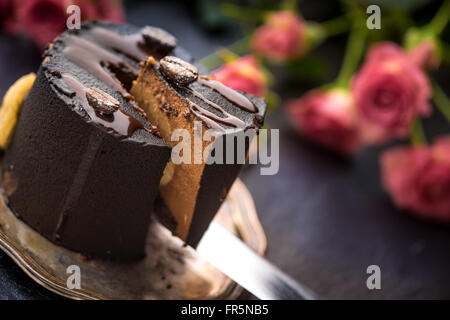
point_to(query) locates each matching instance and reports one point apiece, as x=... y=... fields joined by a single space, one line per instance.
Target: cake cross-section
x=175 y=96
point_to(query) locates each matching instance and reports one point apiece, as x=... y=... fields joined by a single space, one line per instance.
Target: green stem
x=240 y=47
x=440 y=20
x=441 y=101
x=331 y=27
x=353 y=53
x=417 y=134
x=400 y=19
x=215 y=60
x=243 y=14
x=290 y=5
x=336 y=26
x=445 y=52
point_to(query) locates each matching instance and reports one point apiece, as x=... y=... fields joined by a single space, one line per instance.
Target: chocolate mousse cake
x=175 y=97
x=84 y=164
x=90 y=157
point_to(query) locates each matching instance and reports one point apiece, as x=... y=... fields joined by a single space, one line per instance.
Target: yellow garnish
x=12 y=102
x=169 y=170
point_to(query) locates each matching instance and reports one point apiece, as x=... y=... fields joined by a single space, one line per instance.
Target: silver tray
x=169 y=271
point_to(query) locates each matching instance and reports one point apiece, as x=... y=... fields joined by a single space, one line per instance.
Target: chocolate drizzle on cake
x=232 y=95
x=93 y=58
x=211 y=118
x=198 y=111
x=130 y=45
x=118 y=120
x=111 y=69
x=117 y=73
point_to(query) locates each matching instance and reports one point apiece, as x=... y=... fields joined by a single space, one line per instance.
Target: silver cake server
x=251 y=271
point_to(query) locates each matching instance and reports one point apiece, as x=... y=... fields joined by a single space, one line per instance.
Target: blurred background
x=331 y=211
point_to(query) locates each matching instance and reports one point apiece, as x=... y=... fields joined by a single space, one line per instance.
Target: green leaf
x=273 y=101
x=417 y=134
x=441 y=100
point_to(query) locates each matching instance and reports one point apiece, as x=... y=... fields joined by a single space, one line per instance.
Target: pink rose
x=327 y=118
x=243 y=74
x=390 y=91
x=418 y=179
x=281 y=38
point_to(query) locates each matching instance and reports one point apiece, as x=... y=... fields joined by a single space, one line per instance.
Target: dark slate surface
x=326 y=218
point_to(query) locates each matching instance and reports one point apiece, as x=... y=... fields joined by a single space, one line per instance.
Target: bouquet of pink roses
x=371 y=103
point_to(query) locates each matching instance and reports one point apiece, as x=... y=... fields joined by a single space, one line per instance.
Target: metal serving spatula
x=254 y=273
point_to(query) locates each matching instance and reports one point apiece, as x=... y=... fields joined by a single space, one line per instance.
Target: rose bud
x=390 y=91
x=327 y=117
x=418 y=179
x=424 y=48
x=282 y=37
x=243 y=74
